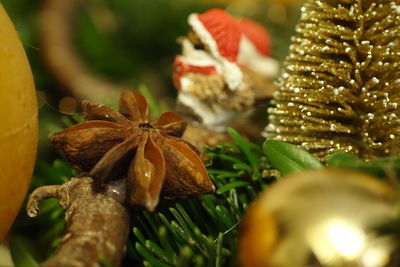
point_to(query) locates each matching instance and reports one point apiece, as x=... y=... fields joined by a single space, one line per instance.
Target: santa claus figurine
x=224 y=68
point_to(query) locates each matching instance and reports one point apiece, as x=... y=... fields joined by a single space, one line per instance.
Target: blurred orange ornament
x=19 y=125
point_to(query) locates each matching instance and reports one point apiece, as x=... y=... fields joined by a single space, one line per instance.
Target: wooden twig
x=97 y=223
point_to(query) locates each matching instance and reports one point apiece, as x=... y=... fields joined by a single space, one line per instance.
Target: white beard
x=215 y=119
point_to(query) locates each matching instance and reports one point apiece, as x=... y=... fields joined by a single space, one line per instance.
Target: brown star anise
x=111 y=144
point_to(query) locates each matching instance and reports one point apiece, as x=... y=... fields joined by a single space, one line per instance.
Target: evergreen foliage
x=201 y=231
x=195 y=232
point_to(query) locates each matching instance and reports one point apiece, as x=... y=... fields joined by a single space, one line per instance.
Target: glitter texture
x=339 y=89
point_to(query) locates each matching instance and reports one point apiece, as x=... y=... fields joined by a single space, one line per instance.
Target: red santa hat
x=256 y=34
x=220 y=32
x=255 y=48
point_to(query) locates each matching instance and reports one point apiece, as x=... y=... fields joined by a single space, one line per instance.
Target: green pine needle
x=22 y=252
x=202 y=231
x=194 y=232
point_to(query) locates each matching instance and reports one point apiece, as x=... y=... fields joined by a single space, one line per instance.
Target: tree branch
x=97 y=223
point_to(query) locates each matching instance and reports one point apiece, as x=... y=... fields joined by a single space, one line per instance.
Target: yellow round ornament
x=18 y=123
x=319 y=218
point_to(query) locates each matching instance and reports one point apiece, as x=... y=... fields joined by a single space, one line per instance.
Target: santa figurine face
x=223 y=69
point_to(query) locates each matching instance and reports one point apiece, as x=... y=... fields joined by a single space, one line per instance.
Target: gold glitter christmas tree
x=340 y=85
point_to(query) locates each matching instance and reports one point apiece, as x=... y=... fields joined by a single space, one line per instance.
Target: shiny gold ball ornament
x=318 y=218
x=340 y=86
x=18 y=123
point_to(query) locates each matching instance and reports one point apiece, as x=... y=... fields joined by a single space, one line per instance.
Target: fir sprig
x=202 y=231
x=194 y=232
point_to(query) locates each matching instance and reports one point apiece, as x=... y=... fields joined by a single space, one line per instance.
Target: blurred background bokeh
x=127 y=43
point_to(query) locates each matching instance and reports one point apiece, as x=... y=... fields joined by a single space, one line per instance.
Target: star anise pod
x=111 y=144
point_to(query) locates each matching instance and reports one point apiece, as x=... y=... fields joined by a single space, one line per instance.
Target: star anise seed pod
x=111 y=144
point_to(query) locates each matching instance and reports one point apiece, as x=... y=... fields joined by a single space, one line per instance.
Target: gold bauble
x=18 y=127
x=319 y=218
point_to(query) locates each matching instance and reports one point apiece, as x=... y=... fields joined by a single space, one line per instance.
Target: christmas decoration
x=319 y=218
x=181 y=231
x=224 y=67
x=111 y=141
x=200 y=138
x=18 y=129
x=339 y=88
x=129 y=160
x=99 y=227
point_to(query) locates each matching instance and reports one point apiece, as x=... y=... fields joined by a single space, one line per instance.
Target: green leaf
x=227 y=145
x=232 y=185
x=384 y=167
x=343 y=160
x=218 y=258
x=182 y=223
x=380 y=167
x=176 y=234
x=22 y=252
x=229 y=158
x=288 y=158
x=67 y=121
x=139 y=235
x=198 y=261
x=221 y=174
x=157 y=251
x=155 y=111
x=162 y=232
x=242 y=167
x=149 y=257
x=245 y=147
x=185 y=256
x=104 y=262
x=224 y=216
x=64 y=168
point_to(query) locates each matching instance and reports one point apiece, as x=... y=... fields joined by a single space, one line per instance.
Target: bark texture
x=97 y=223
